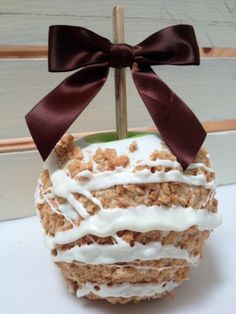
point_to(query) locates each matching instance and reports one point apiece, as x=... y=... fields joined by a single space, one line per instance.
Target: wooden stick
x=26 y=143
x=119 y=75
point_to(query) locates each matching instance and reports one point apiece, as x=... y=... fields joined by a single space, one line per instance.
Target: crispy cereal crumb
x=133 y=146
x=76 y=153
x=45 y=179
x=76 y=166
x=108 y=159
x=162 y=155
x=63 y=148
x=66 y=150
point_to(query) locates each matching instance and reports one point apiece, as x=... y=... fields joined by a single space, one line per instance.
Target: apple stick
x=119 y=75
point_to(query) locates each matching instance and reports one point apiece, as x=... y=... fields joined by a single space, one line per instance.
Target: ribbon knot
x=73 y=48
x=121 y=56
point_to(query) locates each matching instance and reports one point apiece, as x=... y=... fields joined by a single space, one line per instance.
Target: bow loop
x=121 y=56
x=73 y=47
x=176 y=45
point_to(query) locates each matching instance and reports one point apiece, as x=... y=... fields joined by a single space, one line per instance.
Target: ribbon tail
x=55 y=113
x=177 y=124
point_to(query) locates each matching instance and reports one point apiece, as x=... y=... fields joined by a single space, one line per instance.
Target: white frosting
x=126 y=290
x=199 y=165
x=77 y=206
x=147 y=268
x=172 y=164
x=146 y=145
x=63 y=185
x=68 y=211
x=141 y=219
x=97 y=254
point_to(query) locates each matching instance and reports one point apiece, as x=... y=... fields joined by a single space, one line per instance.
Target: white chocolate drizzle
x=146 y=268
x=172 y=164
x=126 y=290
x=63 y=185
x=147 y=143
x=141 y=219
x=97 y=254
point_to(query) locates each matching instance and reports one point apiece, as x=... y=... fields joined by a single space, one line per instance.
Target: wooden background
x=210 y=89
x=26 y=21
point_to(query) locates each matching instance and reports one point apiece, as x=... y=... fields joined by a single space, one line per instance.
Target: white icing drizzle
x=63 y=185
x=64 y=209
x=77 y=206
x=147 y=143
x=97 y=254
x=37 y=197
x=141 y=219
x=149 y=268
x=146 y=268
x=126 y=290
x=209 y=198
x=172 y=164
x=68 y=212
x=199 y=165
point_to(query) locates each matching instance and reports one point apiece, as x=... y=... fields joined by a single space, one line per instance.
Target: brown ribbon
x=72 y=48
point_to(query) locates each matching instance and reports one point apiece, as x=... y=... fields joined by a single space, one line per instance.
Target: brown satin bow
x=72 y=48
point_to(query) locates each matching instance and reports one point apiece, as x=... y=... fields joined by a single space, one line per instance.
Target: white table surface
x=31 y=284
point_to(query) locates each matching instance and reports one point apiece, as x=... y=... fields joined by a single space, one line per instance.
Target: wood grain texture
x=20 y=171
x=24 y=52
x=217 y=52
x=26 y=22
x=208 y=89
x=119 y=75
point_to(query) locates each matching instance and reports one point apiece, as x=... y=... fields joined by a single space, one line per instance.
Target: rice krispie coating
x=73 y=286
x=107 y=159
x=133 y=146
x=166 y=194
x=123 y=196
x=117 y=274
x=120 y=300
x=191 y=239
x=66 y=150
x=130 y=195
